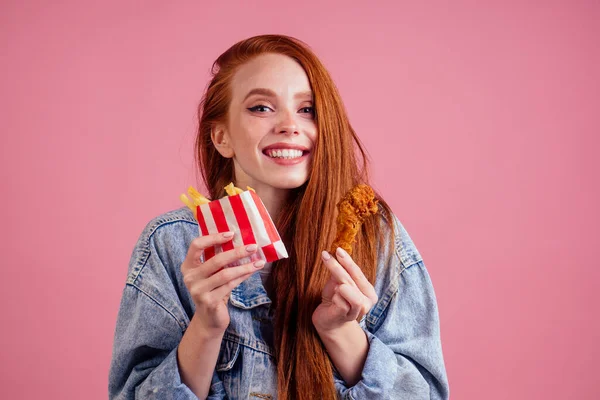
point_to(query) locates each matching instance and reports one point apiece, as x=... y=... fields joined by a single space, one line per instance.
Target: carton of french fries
x=241 y=212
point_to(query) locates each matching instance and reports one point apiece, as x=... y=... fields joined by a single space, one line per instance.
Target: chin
x=289 y=183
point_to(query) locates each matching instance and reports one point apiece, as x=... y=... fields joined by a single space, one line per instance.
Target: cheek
x=252 y=130
x=312 y=135
x=247 y=130
x=246 y=137
x=310 y=127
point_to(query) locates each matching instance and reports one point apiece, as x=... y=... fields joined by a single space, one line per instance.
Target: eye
x=307 y=110
x=259 y=108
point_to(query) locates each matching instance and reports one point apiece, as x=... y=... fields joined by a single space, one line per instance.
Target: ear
x=221 y=141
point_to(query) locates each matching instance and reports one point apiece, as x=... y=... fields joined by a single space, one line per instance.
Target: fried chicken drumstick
x=357 y=204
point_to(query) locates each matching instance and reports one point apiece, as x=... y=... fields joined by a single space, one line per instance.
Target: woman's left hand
x=347 y=295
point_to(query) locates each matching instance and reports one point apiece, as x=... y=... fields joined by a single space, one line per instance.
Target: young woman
x=313 y=326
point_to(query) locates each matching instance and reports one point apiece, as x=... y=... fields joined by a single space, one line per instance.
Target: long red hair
x=339 y=162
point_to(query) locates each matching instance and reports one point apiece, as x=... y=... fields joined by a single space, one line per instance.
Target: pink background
x=482 y=122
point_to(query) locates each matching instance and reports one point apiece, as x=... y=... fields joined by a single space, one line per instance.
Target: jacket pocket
x=228 y=355
x=229 y=377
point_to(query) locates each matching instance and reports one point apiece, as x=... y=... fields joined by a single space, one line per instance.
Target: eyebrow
x=270 y=93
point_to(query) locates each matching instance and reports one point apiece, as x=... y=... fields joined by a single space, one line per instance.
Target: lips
x=285 y=146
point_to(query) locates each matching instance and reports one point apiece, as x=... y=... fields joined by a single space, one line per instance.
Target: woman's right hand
x=210 y=283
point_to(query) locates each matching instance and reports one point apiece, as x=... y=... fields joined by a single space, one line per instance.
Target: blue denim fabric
x=404 y=361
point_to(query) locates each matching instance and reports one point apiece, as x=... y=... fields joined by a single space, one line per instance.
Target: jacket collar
x=250 y=293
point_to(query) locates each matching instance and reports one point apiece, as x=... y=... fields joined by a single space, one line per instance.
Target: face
x=271 y=131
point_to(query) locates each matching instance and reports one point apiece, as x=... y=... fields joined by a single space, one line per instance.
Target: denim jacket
x=404 y=359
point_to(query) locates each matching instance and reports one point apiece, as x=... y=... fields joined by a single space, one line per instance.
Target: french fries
x=197 y=199
x=232 y=190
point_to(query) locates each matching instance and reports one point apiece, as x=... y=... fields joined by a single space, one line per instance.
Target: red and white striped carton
x=246 y=216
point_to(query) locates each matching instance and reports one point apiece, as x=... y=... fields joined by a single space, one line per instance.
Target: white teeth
x=286 y=153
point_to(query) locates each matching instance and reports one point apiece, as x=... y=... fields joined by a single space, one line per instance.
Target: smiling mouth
x=287 y=154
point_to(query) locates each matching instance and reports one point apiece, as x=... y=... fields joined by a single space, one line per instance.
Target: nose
x=288 y=124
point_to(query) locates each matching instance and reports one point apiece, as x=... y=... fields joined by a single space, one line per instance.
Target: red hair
x=339 y=162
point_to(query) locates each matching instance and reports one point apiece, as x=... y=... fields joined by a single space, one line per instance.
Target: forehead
x=277 y=72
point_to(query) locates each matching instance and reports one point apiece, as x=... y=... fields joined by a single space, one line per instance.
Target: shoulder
x=154 y=268
x=165 y=238
x=182 y=214
x=403 y=250
x=397 y=254
x=154 y=289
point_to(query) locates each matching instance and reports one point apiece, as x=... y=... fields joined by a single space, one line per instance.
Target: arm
x=158 y=351
x=197 y=357
x=144 y=362
x=347 y=347
x=405 y=359
x=402 y=357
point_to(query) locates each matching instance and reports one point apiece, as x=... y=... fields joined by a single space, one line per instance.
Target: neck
x=273 y=199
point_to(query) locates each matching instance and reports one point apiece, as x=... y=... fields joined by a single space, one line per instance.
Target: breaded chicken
x=357 y=204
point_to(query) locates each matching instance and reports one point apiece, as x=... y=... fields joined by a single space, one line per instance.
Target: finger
x=329 y=288
x=359 y=304
x=203 y=288
x=199 y=244
x=225 y=289
x=340 y=303
x=227 y=275
x=356 y=274
x=225 y=258
x=340 y=274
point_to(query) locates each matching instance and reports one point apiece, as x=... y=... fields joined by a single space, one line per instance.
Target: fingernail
x=227 y=235
x=251 y=248
x=259 y=264
x=326 y=256
x=341 y=252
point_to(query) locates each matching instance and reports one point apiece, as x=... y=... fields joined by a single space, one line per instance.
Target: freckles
x=248 y=128
x=253 y=121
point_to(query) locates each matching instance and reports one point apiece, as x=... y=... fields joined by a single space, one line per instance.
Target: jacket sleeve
x=405 y=359
x=144 y=359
